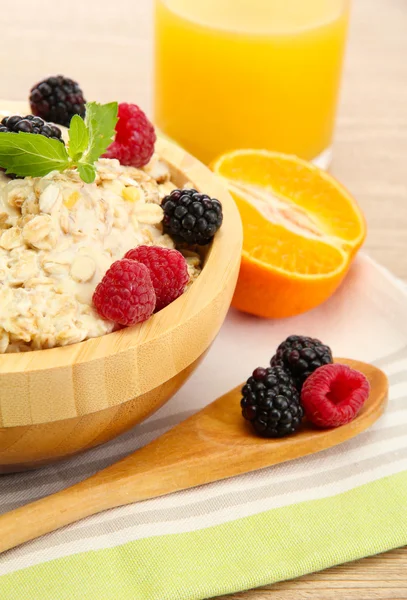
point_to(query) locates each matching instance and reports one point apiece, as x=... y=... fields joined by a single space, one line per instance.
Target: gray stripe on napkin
x=69 y=472
x=235 y=498
x=388 y=359
x=400 y=377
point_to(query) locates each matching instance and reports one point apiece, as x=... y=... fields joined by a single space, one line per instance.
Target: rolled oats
x=165 y=241
x=23 y=220
x=4 y=341
x=83 y=268
x=49 y=198
x=66 y=222
x=17 y=191
x=54 y=268
x=4 y=220
x=39 y=233
x=165 y=189
x=43 y=340
x=30 y=206
x=121 y=217
x=23 y=265
x=11 y=238
x=114 y=186
x=134 y=222
x=147 y=237
x=151 y=192
x=158 y=170
x=148 y=214
x=38 y=282
x=58 y=237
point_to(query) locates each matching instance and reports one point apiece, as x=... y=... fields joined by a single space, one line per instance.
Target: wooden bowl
x=55 y=403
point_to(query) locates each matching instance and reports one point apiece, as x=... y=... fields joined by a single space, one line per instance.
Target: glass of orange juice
x=249 y=74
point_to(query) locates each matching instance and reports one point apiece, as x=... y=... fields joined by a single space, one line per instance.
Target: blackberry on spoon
x=271 y=403
x=301 y=356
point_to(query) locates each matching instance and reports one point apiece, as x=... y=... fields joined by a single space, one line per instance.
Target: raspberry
x=126 y=294
x=168 y=271
x=135 y=137
x=333 y=395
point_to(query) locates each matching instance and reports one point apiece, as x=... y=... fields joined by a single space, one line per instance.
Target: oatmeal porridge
x=58 y=237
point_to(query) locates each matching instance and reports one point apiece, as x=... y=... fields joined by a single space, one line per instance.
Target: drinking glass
x=249 y=74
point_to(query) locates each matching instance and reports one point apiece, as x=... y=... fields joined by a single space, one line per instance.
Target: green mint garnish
x=100 y=121
x=28 y=155
x=87 y=172
x=78 y=137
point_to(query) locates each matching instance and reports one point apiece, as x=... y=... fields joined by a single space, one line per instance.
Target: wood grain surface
x=106 y=46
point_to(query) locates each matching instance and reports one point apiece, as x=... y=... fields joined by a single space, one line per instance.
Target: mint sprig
x=100 y=121
x=28 y=155
x=78 y=137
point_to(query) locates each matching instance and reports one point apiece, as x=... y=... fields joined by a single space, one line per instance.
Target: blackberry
x=57 y=99
x=271 y=403
x=191 y=217
x=30 y=124
x=301 y=356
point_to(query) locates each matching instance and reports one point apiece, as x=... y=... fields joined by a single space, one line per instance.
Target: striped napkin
x=274 y=524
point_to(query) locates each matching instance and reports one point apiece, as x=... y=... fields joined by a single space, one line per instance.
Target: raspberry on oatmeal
x=168 y=270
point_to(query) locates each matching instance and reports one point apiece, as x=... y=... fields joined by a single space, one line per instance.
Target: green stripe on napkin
x=279 y=544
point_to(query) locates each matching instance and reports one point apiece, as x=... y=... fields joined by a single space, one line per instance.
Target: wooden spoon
x=213 y=444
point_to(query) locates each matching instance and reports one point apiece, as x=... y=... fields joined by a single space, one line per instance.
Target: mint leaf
x=87 y=172
x=25 y=154
x=89 y=139
x=31 y=155
x=100 y=121
x=78 y=137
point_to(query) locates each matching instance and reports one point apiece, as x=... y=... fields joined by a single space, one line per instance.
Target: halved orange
x=301 y=231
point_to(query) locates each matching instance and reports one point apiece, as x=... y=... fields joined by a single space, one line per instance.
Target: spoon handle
x=166 y=465
x=43 y=516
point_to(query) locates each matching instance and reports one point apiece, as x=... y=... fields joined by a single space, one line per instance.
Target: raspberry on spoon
x=135 y=137
x=333 y=395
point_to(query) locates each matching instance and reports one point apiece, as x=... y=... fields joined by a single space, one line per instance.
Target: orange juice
x=249 y=73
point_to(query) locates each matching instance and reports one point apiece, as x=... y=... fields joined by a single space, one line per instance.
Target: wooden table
x=106 y=46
